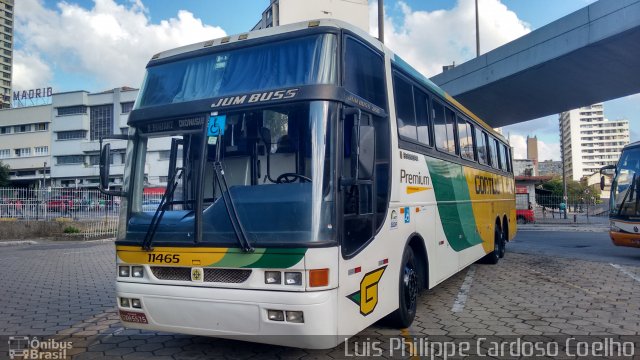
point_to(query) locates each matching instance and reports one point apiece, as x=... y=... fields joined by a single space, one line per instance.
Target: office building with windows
x=6 y=52
x=589 y=141
x=25 y=143
x=79 y=120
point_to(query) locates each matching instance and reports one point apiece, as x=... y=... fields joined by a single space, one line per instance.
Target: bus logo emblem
x=197 y=275
x=367 y=296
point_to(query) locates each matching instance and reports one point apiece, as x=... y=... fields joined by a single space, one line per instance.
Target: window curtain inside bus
x=309 y=60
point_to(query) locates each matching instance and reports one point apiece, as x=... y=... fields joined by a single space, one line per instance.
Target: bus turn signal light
x=318 y=277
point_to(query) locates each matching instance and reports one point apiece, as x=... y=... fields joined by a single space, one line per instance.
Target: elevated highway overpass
x=589 y=56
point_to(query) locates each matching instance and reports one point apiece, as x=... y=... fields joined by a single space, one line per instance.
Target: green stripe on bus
x=274 y=258
x=454 y=204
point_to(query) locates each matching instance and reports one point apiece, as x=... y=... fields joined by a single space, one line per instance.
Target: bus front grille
x=210 y=274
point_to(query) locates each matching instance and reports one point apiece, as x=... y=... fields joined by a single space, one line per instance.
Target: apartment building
x=589 y=141
x=6 y=52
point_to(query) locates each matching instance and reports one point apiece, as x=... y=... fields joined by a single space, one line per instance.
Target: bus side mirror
x=602 y=169
x=105 y=161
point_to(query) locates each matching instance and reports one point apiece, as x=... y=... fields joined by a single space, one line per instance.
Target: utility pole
x=564 y=174
x=477 y=31
x=381 y=20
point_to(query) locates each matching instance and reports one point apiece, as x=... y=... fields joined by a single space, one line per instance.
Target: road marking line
x=626 y=272
x=409 y=342
x=461 y=298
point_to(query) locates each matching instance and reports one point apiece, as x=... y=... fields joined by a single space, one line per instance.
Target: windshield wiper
x=630 y=189
x=241 y=235
x=172 y=184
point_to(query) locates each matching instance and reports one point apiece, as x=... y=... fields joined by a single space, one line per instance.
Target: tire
x=409 y=287
x=521 y=220
x=503 y=243
x=494 y=256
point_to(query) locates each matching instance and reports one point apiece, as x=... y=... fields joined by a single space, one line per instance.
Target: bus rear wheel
x=503 y=241
x=409 y=287
x=498 y=247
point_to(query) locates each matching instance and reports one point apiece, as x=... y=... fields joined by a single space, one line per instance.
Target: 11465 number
x=164 y=258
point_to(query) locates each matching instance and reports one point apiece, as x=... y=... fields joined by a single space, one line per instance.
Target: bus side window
x=481 y=147
x=503 y=156
x=405 y=114
x=452 y=144
x=422 y=116
x=465 y=139
x=439 y=126
x=509 y=163
x=493 y=155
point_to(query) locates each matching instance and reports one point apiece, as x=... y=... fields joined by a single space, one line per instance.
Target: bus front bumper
x=233 y=313
x=625 y=239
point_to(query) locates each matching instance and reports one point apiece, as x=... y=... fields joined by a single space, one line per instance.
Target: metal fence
x=93 y=213
x=575 y=209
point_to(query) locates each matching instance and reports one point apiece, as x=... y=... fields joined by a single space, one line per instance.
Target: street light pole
x=477 y=31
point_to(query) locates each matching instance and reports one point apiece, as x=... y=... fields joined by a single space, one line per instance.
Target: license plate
x=133 y=317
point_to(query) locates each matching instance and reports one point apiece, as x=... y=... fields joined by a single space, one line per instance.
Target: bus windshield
x=278 y=164
x=626 y=185
x=303 y=61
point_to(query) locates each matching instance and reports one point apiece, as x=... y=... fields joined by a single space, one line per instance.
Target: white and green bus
x=317 y=183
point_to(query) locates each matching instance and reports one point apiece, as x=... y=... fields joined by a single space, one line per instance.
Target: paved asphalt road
x=591 y=246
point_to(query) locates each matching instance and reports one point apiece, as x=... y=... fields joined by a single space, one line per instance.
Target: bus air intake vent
x=226 y=275
x=235 y=276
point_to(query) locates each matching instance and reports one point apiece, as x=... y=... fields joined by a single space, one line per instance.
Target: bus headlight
x=295 y=317
x=613 y=227
x=124 y=302
x=272 y=277
x=293 y=278
x=123 y=271
x=275 y=315
x=135 y=303
x=137 y=271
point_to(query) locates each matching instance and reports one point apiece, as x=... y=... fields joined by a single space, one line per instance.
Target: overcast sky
x=95 y=45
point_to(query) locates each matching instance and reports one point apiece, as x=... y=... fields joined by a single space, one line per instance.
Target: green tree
x=4 y=174
x=577 y=193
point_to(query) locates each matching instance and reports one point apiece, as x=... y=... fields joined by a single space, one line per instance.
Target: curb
x=565 y=228
x=17 y=242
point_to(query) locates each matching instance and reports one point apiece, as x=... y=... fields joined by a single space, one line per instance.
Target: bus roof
x=338 y=24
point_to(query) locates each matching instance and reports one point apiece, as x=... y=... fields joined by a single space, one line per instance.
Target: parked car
x=60 y=204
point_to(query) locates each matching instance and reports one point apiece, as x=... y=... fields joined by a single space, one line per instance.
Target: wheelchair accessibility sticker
x=216 y=125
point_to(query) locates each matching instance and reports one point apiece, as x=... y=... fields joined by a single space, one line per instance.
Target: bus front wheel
x=409 y=287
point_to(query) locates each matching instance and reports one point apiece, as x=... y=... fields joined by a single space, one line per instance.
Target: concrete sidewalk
x=565 y=227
